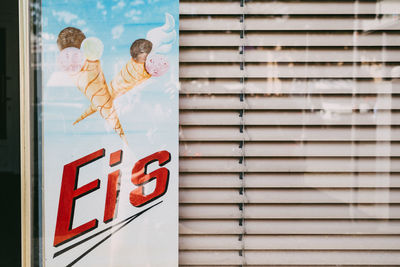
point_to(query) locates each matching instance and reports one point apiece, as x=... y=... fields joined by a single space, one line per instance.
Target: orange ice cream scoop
x=91 y=82
x=133 y=74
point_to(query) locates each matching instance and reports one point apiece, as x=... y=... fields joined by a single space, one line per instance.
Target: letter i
x=113 y=185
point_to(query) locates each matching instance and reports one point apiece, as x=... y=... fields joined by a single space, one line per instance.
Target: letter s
x=140 y=178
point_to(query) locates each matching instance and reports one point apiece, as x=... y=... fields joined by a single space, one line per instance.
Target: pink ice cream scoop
x=71 y=59
x=156 y=65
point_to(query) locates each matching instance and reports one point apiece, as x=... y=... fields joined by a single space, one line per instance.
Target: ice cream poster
x=109 y=124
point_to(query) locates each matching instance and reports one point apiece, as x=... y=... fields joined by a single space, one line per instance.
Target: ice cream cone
x=91 y=82
x=133 y=74
x=89 y=111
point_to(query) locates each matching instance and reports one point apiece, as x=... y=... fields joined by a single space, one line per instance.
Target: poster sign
x=109 y=132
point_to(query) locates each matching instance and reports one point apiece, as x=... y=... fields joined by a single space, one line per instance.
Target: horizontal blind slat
x=291 y=258
x=260 y=54
x=290 y=180
x=287 y=8
x=318 y=195
x=383 y=258
x=290 y=227
x=290 y=165
x=221 y=258
x=277 y=102
x=222 y=23
x=289 y=243
x=291 y=86
x=292 y=133
x=287 y=39
x=270 y=70
x=290 y=149
x=289 y=211
x=325 y=117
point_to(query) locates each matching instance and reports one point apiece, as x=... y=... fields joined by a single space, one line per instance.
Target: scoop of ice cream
x=156 y=65
x=71 y=59
x=70 y=37
x=92 y=48
x=163 y=37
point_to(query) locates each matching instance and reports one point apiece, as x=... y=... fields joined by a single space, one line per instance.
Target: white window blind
x=289 y=133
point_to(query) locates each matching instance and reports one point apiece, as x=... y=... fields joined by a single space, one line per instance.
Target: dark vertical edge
x=3 y=85
x=36 y=71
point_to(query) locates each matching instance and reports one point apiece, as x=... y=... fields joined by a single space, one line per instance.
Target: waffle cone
x=91 y=82
x=131 y=75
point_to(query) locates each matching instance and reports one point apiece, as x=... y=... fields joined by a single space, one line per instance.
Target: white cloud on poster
x=48 y=36
x=151 y=133
x=80 y=22
x=117 y=31
x=60 y=79
x=68 y=18
x=99 y=5
x=65 y=16
x=173 y=86
x=130 y=103
x=133 y=14
x=87 y=31
x=159 y=112
x=53 y=47
x=136 y=3
x=65 y=104
x=121 y=4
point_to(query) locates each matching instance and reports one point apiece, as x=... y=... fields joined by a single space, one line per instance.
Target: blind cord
x=242 y=159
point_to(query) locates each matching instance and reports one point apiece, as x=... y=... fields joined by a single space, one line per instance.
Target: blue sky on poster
x=94 y=17
x=112 y=21
x=117 y=24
